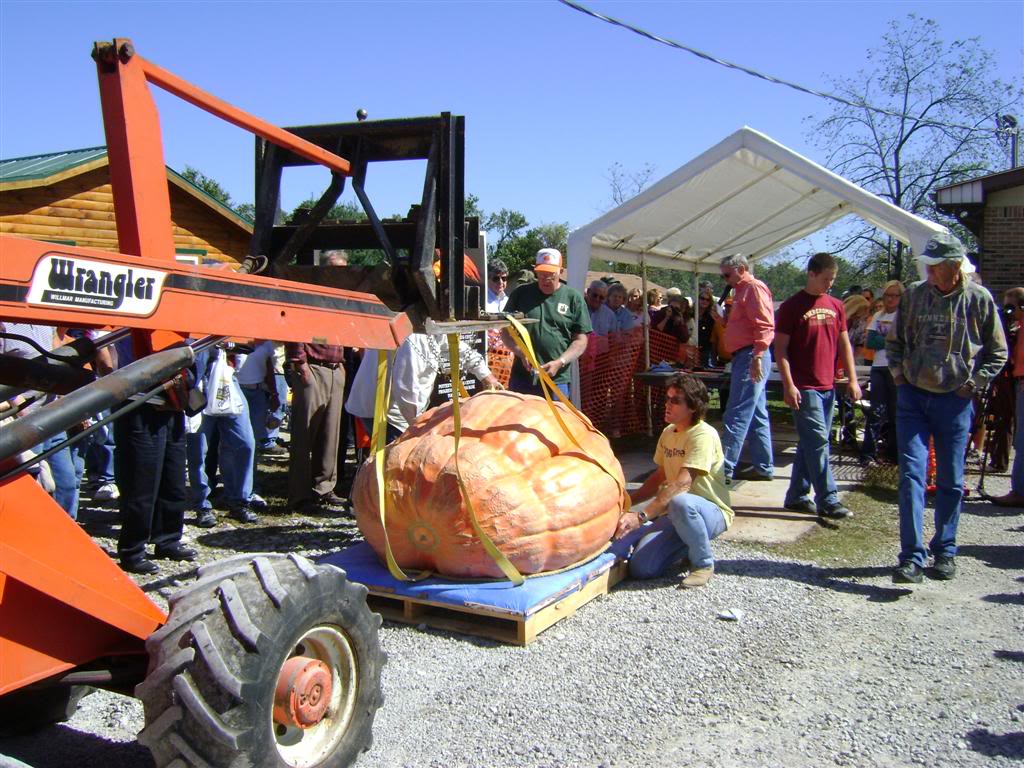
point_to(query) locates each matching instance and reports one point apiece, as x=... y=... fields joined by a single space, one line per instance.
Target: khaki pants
x=316 y=427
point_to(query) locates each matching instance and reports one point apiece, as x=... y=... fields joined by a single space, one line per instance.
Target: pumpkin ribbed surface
x=543 y=502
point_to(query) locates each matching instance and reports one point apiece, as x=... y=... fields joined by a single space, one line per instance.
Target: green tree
x=213 y=188
x=947 y=102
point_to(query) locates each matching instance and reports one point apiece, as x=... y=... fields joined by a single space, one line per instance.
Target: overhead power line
x=769 y=78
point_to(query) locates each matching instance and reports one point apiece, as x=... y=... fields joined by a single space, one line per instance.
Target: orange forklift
x=269 y=660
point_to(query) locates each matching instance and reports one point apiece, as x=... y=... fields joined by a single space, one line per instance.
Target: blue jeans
x=256 y=400
x=237 y=451
x=282 y=398
x=811 y=466
x=1017 y=473
x=686 y=530
x=62 y=467
x=946 y=418
x=747 y=411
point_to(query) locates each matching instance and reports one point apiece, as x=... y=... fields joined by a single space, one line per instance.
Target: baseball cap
x=942 y=247
x=548 y=260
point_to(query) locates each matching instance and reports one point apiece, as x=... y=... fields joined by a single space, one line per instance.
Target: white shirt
x=881 y=322
x=496 y=301
x=254 y=370
x=413 y=369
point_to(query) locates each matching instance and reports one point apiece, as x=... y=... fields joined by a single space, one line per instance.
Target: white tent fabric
x=748 y=194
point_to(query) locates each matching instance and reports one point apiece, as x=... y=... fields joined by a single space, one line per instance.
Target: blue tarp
x=361 y=564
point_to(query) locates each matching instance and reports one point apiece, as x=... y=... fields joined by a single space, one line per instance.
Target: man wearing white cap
x=945 y=343
x=560 y=334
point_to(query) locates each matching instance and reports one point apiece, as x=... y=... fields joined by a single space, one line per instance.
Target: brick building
x=992 y=208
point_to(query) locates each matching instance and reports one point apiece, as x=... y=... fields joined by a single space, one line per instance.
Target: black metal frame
x=438 y=221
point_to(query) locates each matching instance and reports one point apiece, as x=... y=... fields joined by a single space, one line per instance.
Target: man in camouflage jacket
x=946 y=343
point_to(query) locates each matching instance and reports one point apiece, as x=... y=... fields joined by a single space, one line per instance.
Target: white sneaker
x=107 y=492
x=257 y=502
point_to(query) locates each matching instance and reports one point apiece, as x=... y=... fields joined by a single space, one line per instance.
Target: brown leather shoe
x=1009 y=500
x=698 y=577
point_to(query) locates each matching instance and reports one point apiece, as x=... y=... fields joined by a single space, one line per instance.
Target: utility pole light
x=1008 y=124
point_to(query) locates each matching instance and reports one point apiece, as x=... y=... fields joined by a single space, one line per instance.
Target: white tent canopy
x=748 y=194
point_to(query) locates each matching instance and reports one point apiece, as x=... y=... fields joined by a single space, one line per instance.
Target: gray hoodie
x=939 y=342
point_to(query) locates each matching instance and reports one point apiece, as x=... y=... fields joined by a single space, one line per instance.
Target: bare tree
x=626 y=184
x=947 y=102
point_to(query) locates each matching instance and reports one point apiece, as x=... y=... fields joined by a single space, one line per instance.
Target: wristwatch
x=641 y=515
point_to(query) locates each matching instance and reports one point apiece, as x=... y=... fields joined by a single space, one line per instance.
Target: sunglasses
x=499 y=278
x=598 y=296
x=675 y=399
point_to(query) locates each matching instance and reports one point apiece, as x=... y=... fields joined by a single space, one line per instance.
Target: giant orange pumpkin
x=543 y=502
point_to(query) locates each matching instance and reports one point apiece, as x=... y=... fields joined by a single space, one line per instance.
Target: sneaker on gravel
x=274 y=450
x=944 y=568
x=106 y=492
x=803 y=505
x=257 y=502
x=177 y=552
x=698 y=577
x=140 y=565
x=205 y=519
x=837 y=512
x=908 y=573
x=243 y=513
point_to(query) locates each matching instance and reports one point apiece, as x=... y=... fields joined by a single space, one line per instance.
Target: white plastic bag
x=223 y=395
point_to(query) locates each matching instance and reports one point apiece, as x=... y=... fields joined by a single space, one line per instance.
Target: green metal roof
x=38 y=167
x=44 y=166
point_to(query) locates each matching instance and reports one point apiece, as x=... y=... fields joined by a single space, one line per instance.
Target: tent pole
x=645 y=321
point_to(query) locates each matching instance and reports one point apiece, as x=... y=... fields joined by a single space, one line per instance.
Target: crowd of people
x=932 y=347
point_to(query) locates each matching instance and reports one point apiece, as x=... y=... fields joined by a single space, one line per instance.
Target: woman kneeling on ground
x=691 y=500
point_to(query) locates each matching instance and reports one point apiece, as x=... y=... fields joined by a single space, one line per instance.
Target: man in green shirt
x=560 y=334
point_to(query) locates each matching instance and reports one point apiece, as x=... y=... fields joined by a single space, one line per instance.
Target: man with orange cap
x=560 y=334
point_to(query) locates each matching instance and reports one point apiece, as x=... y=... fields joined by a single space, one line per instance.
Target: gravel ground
x=824 y=666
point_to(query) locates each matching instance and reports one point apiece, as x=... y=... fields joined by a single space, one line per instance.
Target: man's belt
x=332 y=366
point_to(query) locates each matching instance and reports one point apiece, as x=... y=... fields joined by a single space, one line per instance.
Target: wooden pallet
x=489 y=621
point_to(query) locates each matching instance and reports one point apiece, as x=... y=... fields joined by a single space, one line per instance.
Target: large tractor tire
x=264 y=662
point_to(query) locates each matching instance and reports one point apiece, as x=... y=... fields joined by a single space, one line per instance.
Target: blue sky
x=551 y=97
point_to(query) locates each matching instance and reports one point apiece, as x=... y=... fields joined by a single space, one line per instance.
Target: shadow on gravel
x=1009 y=655
x=829 y=578
x=1007 y=598
x=996 y=745
x=58 y=746
x=982 y=508
x=1003 y=556
x=281 y=538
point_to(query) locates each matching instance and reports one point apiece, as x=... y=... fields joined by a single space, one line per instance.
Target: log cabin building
x=66 y=198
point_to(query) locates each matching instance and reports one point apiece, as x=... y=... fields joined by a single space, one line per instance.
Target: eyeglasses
x=889 y=294
x=675 y=399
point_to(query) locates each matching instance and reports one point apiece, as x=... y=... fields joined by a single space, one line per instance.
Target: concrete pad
x=760 y=515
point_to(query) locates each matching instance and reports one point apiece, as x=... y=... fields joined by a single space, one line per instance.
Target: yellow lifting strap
x=521 y=337
x=377 y=442
x=496 y=554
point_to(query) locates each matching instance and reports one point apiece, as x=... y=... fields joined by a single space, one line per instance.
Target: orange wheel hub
x=303 y=692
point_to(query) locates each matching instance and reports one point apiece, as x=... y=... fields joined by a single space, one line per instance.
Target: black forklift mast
x=436 y=226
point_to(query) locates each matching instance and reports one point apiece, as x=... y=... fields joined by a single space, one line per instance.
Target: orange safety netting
x=609 y=395
x=499 y=358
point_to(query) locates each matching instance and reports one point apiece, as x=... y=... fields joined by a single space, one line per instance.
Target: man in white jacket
x=414 y=370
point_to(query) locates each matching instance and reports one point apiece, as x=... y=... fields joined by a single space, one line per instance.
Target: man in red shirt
x=748 y=334
x=814 y=325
